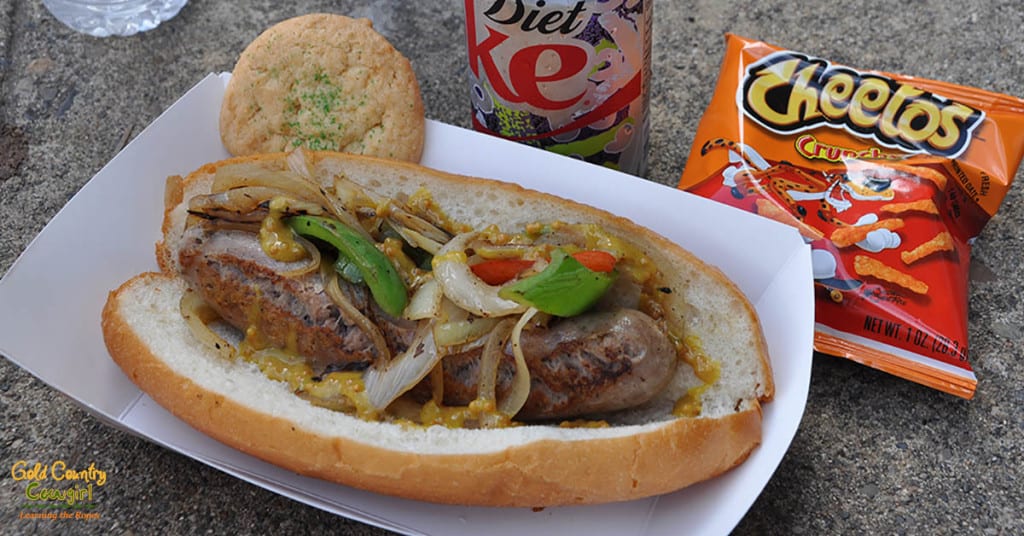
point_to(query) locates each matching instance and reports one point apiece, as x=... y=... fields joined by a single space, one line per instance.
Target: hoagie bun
x=642 y=450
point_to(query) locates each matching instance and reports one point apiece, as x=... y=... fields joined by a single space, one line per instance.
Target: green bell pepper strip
x=564 y=288
x=380 y=275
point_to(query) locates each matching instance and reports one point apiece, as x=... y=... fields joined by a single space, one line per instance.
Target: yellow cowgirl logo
x=58 y=491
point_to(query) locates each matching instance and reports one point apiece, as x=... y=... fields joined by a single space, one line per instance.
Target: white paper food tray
x=768 y=261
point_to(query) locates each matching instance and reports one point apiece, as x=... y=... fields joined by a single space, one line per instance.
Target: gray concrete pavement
x=874 y=454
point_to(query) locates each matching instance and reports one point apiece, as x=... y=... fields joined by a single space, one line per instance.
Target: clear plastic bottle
x=103 y=18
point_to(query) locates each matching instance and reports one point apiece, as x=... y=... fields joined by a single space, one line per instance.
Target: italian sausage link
x=594 y=363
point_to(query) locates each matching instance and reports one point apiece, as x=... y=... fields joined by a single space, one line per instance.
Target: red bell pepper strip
x=501 y=271
x=596 y=260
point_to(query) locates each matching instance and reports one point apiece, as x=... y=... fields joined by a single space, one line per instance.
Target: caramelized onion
x=505 y=251
x=349 y=311
x=428 y=231
x=344 y=216
x=464 y=288
x=198 y=314
x=353 y=198
x=425 y=302
x=296 y=181
x=297 y=162
x=459 y=332
x=386 y=382
x=312 y=258
x=247 y=174
x=241 y=204
x=225 y=225
x=415 y=238
x=521 y=383
x=489 y=360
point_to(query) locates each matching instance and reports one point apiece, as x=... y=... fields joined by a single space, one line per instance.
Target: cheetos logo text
x=787 y=92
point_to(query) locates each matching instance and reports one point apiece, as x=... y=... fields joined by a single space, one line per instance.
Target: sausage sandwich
x=438 y=337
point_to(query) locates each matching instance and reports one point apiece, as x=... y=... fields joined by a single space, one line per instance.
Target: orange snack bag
x=873 y=169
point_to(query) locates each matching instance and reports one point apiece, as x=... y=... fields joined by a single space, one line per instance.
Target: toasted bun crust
x=645 y=452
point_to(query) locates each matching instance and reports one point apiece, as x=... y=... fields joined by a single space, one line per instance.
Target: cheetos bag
x=889 y=178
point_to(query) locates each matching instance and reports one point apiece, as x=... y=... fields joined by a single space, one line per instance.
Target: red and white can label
x=568 y=76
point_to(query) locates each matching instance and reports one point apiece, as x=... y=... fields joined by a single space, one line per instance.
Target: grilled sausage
x=594 y=363
x=246 y=288
x=597 y=362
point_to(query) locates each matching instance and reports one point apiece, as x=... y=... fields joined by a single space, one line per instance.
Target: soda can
x=571 y=77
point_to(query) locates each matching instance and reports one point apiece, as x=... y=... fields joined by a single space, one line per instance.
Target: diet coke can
x=571 y=77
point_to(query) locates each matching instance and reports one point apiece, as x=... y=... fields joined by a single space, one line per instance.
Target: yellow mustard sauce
x=650 y=303
x=432 y=413
x=343 y=391
x=495 y=236
x=412 y=275
x=583 y=423
x=451 y=417
x=707 y=370
x=280 y=368
x=276 y=239
x=383 y=208
x=631 y=258
x=437 y=383
x=253 y=339
x=346 y=391
x=534 y=230
x=451 y=256
x=346 y=387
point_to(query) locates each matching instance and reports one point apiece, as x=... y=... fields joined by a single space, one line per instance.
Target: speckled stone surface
x=874 y=454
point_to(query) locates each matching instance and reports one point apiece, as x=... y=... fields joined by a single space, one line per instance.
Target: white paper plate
x=769 y=261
